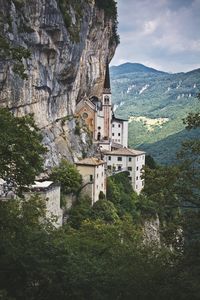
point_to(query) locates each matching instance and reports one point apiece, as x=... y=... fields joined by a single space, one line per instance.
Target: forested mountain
x=155 y=103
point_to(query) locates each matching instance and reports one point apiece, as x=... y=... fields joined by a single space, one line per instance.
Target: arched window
x=106 y=100
x=99 y=136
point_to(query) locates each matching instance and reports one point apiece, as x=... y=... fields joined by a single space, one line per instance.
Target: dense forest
x=102 y=252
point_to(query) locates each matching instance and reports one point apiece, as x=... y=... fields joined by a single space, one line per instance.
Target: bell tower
x=107 y=105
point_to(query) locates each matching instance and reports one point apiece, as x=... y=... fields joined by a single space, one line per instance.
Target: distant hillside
x=164 y=151
x=155 y=102
x=131 y=68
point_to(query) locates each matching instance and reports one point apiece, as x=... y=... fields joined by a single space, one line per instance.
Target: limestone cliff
x=69 y=45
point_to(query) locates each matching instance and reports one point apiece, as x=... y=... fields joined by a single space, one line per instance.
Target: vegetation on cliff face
x=78 y=7
x=110 y=8
x=14 y=54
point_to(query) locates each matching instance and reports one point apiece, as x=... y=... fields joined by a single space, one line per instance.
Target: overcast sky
x=163 y=34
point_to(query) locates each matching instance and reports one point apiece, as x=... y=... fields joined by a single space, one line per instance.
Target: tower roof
x=107 y=78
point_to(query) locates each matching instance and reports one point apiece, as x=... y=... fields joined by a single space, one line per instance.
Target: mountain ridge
x=155 y=104
x=133 y=67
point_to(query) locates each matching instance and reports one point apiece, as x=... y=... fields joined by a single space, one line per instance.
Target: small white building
x=125 y=159
x=50 y=192
x=94 y=179
x=120 y=131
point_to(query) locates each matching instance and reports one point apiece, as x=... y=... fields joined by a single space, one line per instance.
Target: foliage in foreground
x=97 y=261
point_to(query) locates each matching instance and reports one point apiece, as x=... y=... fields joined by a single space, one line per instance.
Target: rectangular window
x=109 y=167
x=119 y=158
x=119 y=168
x=109 y=157
x=119 y=125
x=137 y=168
x=119 y=134
x=113 y=134
x=113 y=125
x=130 y=159
x=97 y=175
x=91 y=177
x=130 y=178
x=136 y=177
x=129 y=168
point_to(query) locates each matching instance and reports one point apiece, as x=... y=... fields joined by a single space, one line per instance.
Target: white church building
x=111 y=135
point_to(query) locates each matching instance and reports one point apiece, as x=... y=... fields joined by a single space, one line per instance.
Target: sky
x=162 y=34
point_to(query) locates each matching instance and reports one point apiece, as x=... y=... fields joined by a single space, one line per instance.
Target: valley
x=155 y=103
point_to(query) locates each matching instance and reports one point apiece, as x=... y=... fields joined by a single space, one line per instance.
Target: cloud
x=164 y=33
x=150 y=27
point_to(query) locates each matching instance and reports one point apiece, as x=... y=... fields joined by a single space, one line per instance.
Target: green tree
x=23 y=238
x=69 y=177
x=80 y=212
x=105 y=211
x=120 y=192
x=192 y=121
x=150 y=162
x=21 y=151
x=161 y=196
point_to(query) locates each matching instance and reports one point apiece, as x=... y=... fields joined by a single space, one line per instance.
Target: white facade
x=94 y=178
x=120 y=131
x=107 y=112
x=130 y=160
x=50 y=192
x=99 y=132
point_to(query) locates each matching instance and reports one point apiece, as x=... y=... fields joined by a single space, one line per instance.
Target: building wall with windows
x=127 y=160
x=94 y=178
x=99 y=130
x=120 y=131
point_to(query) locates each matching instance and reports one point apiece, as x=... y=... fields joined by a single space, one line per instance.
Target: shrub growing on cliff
x=15 y=54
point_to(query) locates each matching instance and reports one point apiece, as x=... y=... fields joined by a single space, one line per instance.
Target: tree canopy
x=69 y=177
x=21 y=151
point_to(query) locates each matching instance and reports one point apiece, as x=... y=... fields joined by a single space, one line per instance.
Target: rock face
x=63 y=67
x=151 y=231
